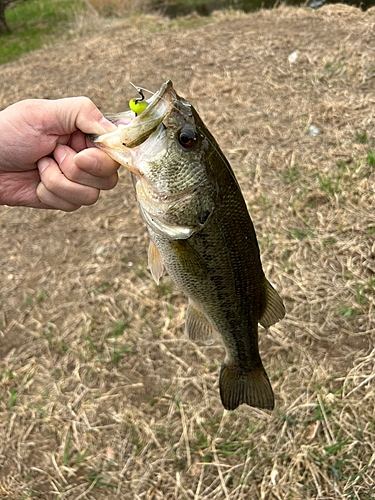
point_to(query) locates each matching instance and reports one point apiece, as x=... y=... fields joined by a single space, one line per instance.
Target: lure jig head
x=138 y=105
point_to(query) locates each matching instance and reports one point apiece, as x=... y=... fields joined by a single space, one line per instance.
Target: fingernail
x=107 y=125
x=60 y=153
x=43 y=164
x=85 y=160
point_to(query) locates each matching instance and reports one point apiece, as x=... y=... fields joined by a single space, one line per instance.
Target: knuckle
x=91 y=196
x=84 y=101
x=88 y=107
x=72 y=174
x=112 y=181
x=53 y=180
x=41 y=193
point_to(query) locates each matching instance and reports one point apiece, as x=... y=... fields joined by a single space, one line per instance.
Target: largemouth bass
x=202 y=233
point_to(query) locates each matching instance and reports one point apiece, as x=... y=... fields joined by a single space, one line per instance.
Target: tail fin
x=252 y=388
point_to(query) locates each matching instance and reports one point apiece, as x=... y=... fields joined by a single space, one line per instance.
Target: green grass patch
x=329 y=185
x=36 y=23
x=349 y=312
x=299 y=235
x=12 y=399
x=361 y=136
x=291 y=175
x=361 y=298
x=371 y=157
x=66 y=452
x=118 y=329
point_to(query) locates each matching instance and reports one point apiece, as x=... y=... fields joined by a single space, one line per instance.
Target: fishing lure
x=138 y=105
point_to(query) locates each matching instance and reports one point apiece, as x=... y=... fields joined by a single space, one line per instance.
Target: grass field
x=36 y=23
x=101 y=394
x=39 y=23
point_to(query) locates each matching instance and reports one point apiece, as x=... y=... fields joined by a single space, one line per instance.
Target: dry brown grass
x=102 y=396
x=118 y=8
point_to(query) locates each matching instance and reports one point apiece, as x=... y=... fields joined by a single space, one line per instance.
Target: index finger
x=96 y=162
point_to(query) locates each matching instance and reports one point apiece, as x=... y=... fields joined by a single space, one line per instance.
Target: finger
x=52 y=201
x=96 y=162
x=65 y=159
x=63 y=139
x=89 y=117
x=19 y=189
x=58 y=184
x=46 y=123
x=78 y=141
x=79 y=113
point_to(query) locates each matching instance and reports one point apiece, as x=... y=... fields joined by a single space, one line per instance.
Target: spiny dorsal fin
x=252 y=388
x=274 y=310
x=155 y=262
x=197 y=326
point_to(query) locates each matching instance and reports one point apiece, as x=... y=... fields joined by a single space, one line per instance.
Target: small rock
x=292 y=58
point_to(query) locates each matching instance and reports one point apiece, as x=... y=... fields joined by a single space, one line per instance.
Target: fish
x=202 y=233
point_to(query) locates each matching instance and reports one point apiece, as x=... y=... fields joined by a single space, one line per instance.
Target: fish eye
x=187 y=137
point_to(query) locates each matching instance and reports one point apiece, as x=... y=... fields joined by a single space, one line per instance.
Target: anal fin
x=274 y=310
x=252 y=388
x=155 y=262
x=197 y=326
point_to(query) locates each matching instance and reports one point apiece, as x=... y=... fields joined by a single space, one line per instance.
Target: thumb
x=78 y=113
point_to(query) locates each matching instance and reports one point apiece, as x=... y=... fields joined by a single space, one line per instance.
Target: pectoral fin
x=274 y=310
x=190 y=260
x=155 y=262
x=197 y=326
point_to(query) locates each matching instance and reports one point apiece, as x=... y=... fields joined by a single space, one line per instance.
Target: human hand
x=44 y=160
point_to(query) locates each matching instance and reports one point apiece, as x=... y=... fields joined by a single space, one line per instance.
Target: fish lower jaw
x=133 y=169
x=123 y=156
x=127 y=163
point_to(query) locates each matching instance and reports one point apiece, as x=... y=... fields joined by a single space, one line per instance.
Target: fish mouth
x=133 y=130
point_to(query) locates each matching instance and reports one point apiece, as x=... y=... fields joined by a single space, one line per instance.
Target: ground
x=101 y=394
